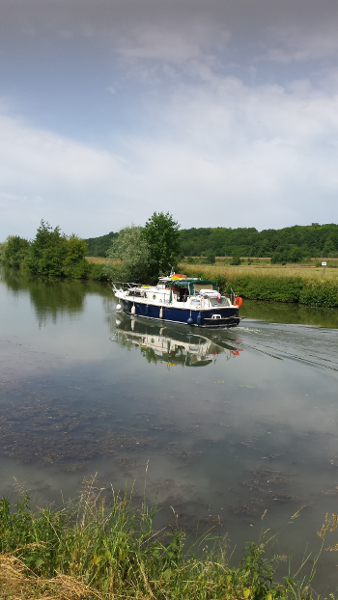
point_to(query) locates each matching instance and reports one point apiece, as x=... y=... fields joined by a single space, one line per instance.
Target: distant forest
x=98 y=246
x=290 y=244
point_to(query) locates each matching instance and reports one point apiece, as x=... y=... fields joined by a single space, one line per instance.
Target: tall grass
x=96 y=260
x=89 y=550
x=265 y=270
x=292 y=284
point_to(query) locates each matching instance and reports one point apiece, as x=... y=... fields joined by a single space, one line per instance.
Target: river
x=232 y=429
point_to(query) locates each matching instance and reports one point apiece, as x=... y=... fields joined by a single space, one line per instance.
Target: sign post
x=324 y=265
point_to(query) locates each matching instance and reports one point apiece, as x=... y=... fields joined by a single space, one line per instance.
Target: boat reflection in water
x=171 y=344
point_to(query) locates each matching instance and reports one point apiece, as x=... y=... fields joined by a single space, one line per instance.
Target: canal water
x=233 y=429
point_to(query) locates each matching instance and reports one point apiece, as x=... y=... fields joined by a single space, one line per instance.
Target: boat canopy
x=187 y=282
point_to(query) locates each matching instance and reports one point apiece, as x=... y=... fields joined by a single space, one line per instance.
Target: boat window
x=221 y=302
x=183 y=294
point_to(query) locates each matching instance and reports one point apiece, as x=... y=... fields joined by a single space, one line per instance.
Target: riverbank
x=89 y=550
x=303 y=285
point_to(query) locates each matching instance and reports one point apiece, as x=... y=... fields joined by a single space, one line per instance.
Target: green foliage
x=211 y=259
x=15 y=250
x=236 y=260
x=113 y=551
x=163 y=238
x=75 y=265
x=3 y=247
x=47 y=252
x=144 y=253
x=278 y=289
x=287 y=245
x=290 y=244
x=100 y=245
x=319 y=293
x=50 y=253
x=98 y=272
x=132 y=249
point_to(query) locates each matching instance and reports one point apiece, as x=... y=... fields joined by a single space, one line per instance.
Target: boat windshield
x=222 y=302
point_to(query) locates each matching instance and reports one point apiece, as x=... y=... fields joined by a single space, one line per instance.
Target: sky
x=223 y=113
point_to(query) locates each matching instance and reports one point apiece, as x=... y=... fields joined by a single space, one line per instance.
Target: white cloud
x=223 y=154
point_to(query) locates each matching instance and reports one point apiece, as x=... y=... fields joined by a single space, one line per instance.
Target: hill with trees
x=98 y=246
x=290 y=244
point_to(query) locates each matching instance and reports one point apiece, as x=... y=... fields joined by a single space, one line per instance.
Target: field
x=96 y=260
x=261 y=268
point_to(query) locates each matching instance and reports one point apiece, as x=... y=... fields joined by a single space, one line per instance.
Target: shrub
x=211 y=259
x=15 y=251
x=236 y=260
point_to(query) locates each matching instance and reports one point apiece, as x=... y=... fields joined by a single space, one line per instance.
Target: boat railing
x=124 y=285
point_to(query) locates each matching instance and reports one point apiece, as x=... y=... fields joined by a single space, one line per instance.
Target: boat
x=173 y=344
x=179 y=299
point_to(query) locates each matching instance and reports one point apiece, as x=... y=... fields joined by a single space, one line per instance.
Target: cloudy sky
x=222 y=112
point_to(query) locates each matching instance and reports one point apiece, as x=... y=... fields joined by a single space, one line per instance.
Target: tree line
x=134 y=253
x=290 y=244
x=144 y=253
x=50 y=253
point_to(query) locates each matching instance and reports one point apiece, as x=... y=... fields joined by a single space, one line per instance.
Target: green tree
x=163 y=238
x=47 y=252
x=15 y=250
x=75 y=264
x=3 y=247
x=53 y=253
x=129 y=256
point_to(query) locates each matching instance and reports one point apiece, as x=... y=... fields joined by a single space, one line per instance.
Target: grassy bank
x=88 y=550
x=306 y=285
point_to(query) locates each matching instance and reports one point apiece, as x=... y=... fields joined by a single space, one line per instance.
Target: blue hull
x=228 y=316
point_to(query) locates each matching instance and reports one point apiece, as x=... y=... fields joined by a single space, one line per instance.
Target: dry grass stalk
x=17 y=582
x=96 y=260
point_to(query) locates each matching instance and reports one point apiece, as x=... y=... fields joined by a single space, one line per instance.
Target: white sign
x=324 y=264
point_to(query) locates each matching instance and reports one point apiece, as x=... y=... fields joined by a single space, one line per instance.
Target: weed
x=87 y=549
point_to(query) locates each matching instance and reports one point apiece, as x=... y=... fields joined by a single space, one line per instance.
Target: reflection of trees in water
x=299 y=314
x=14 y=279
x=53 y=298
x=109 y=306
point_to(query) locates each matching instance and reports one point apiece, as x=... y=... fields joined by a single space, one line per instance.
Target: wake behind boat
x=180 y=299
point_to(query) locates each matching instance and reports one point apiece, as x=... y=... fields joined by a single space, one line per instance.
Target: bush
x=211 y=259
x=2 y=251
x=319 y=293
x=236 y=260
x=53 y=253
x=279 y=289
x=98 y=272
x=15 y=251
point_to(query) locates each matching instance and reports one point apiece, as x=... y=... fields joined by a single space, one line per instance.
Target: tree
x=54 y=253
x=163 y=238
x=47 y=252
x=15 y=250
x=132 y=250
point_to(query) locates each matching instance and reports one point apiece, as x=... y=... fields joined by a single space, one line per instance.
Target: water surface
x=231 y=423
